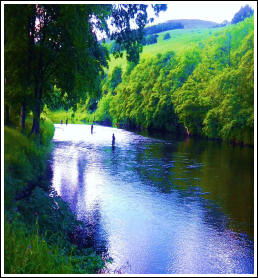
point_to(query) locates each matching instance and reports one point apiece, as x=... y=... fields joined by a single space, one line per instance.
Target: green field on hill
x=180 y=39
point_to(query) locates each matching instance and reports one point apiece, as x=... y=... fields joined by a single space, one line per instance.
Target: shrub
x=166 y=36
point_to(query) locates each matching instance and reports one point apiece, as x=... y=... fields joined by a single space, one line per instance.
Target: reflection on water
x=159 y=206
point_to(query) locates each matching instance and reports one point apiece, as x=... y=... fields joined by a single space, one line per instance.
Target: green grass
x=24 y=158
x=58 y=115
x=27 y=252
x=77 y=117
x=180 y=39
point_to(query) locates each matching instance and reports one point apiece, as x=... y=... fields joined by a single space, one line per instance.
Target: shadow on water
x=213 y=170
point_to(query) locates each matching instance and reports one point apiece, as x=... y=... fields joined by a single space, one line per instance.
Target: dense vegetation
x=242 y=14
x=170 y=25
x=166 y=36
x=205 y=88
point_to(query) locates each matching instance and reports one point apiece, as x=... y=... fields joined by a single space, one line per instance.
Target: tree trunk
x=36 y=118
x=36 y=112
x=23 y=116
x=7 y=117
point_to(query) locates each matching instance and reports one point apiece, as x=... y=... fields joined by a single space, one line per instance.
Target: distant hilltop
x=194 y=23
x=179 y=24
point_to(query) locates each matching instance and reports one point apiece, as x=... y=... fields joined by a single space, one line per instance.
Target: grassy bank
x=41 y=234
x=80 y=116
x=61 y=114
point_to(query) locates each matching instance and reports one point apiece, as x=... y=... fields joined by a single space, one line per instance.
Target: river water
x=158 y=205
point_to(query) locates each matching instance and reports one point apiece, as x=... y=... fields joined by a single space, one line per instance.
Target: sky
x=216 y=11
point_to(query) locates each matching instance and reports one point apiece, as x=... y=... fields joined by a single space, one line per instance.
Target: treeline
x=146 y=40
x=163 y=27
x=205 y=90
x=241 y=15
x=149 y=35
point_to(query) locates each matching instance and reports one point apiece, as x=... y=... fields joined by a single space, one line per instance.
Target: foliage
x=123 y=16
x=150 y=39
x=163 y=27
x=58 y=115
x=205 y=87
x=58 y=47
x=116 y=47
x=116 y=78
x=55 y=99
x=243 y=13
x=166 y=36
x=217 y=99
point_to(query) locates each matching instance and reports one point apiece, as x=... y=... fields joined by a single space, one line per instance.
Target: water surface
x=159 y=206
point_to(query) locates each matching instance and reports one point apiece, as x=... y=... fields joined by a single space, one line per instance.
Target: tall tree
x=243 y=13
x=18 y=58
x=62 y=47
x=129 y=21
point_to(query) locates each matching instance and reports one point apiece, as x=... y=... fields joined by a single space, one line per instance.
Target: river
x=159 y=205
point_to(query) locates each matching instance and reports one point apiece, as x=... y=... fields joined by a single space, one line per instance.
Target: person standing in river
x=66 y=121
x=92 y=129
x=113 y=140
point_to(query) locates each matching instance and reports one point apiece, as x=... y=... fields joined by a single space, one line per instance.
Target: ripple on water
x=146 y=201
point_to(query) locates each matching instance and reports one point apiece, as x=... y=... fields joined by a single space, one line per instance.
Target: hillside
x=178 y=40
x=176 y=24
x=194 y=23
x=200 y=81
x=179 y=24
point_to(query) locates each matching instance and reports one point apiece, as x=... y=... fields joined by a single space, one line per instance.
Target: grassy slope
x=179 y=39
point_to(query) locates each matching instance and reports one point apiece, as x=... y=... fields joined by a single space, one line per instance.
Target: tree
x=66 y=52
x=166 y=36
x=150 y=39
x=243 y=13
x=123 y=17
x=18 y=59
x=116 y=77
x=116 y=47
x=169 y=25
x=61 y=47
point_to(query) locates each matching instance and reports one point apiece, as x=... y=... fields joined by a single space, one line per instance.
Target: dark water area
x=159 y=205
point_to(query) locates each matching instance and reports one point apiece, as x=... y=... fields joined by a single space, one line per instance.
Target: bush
x=150 y=39
x=166 y=36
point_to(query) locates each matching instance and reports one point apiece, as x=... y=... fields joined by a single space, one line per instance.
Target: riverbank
x=82 y=117
x=41 y=234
